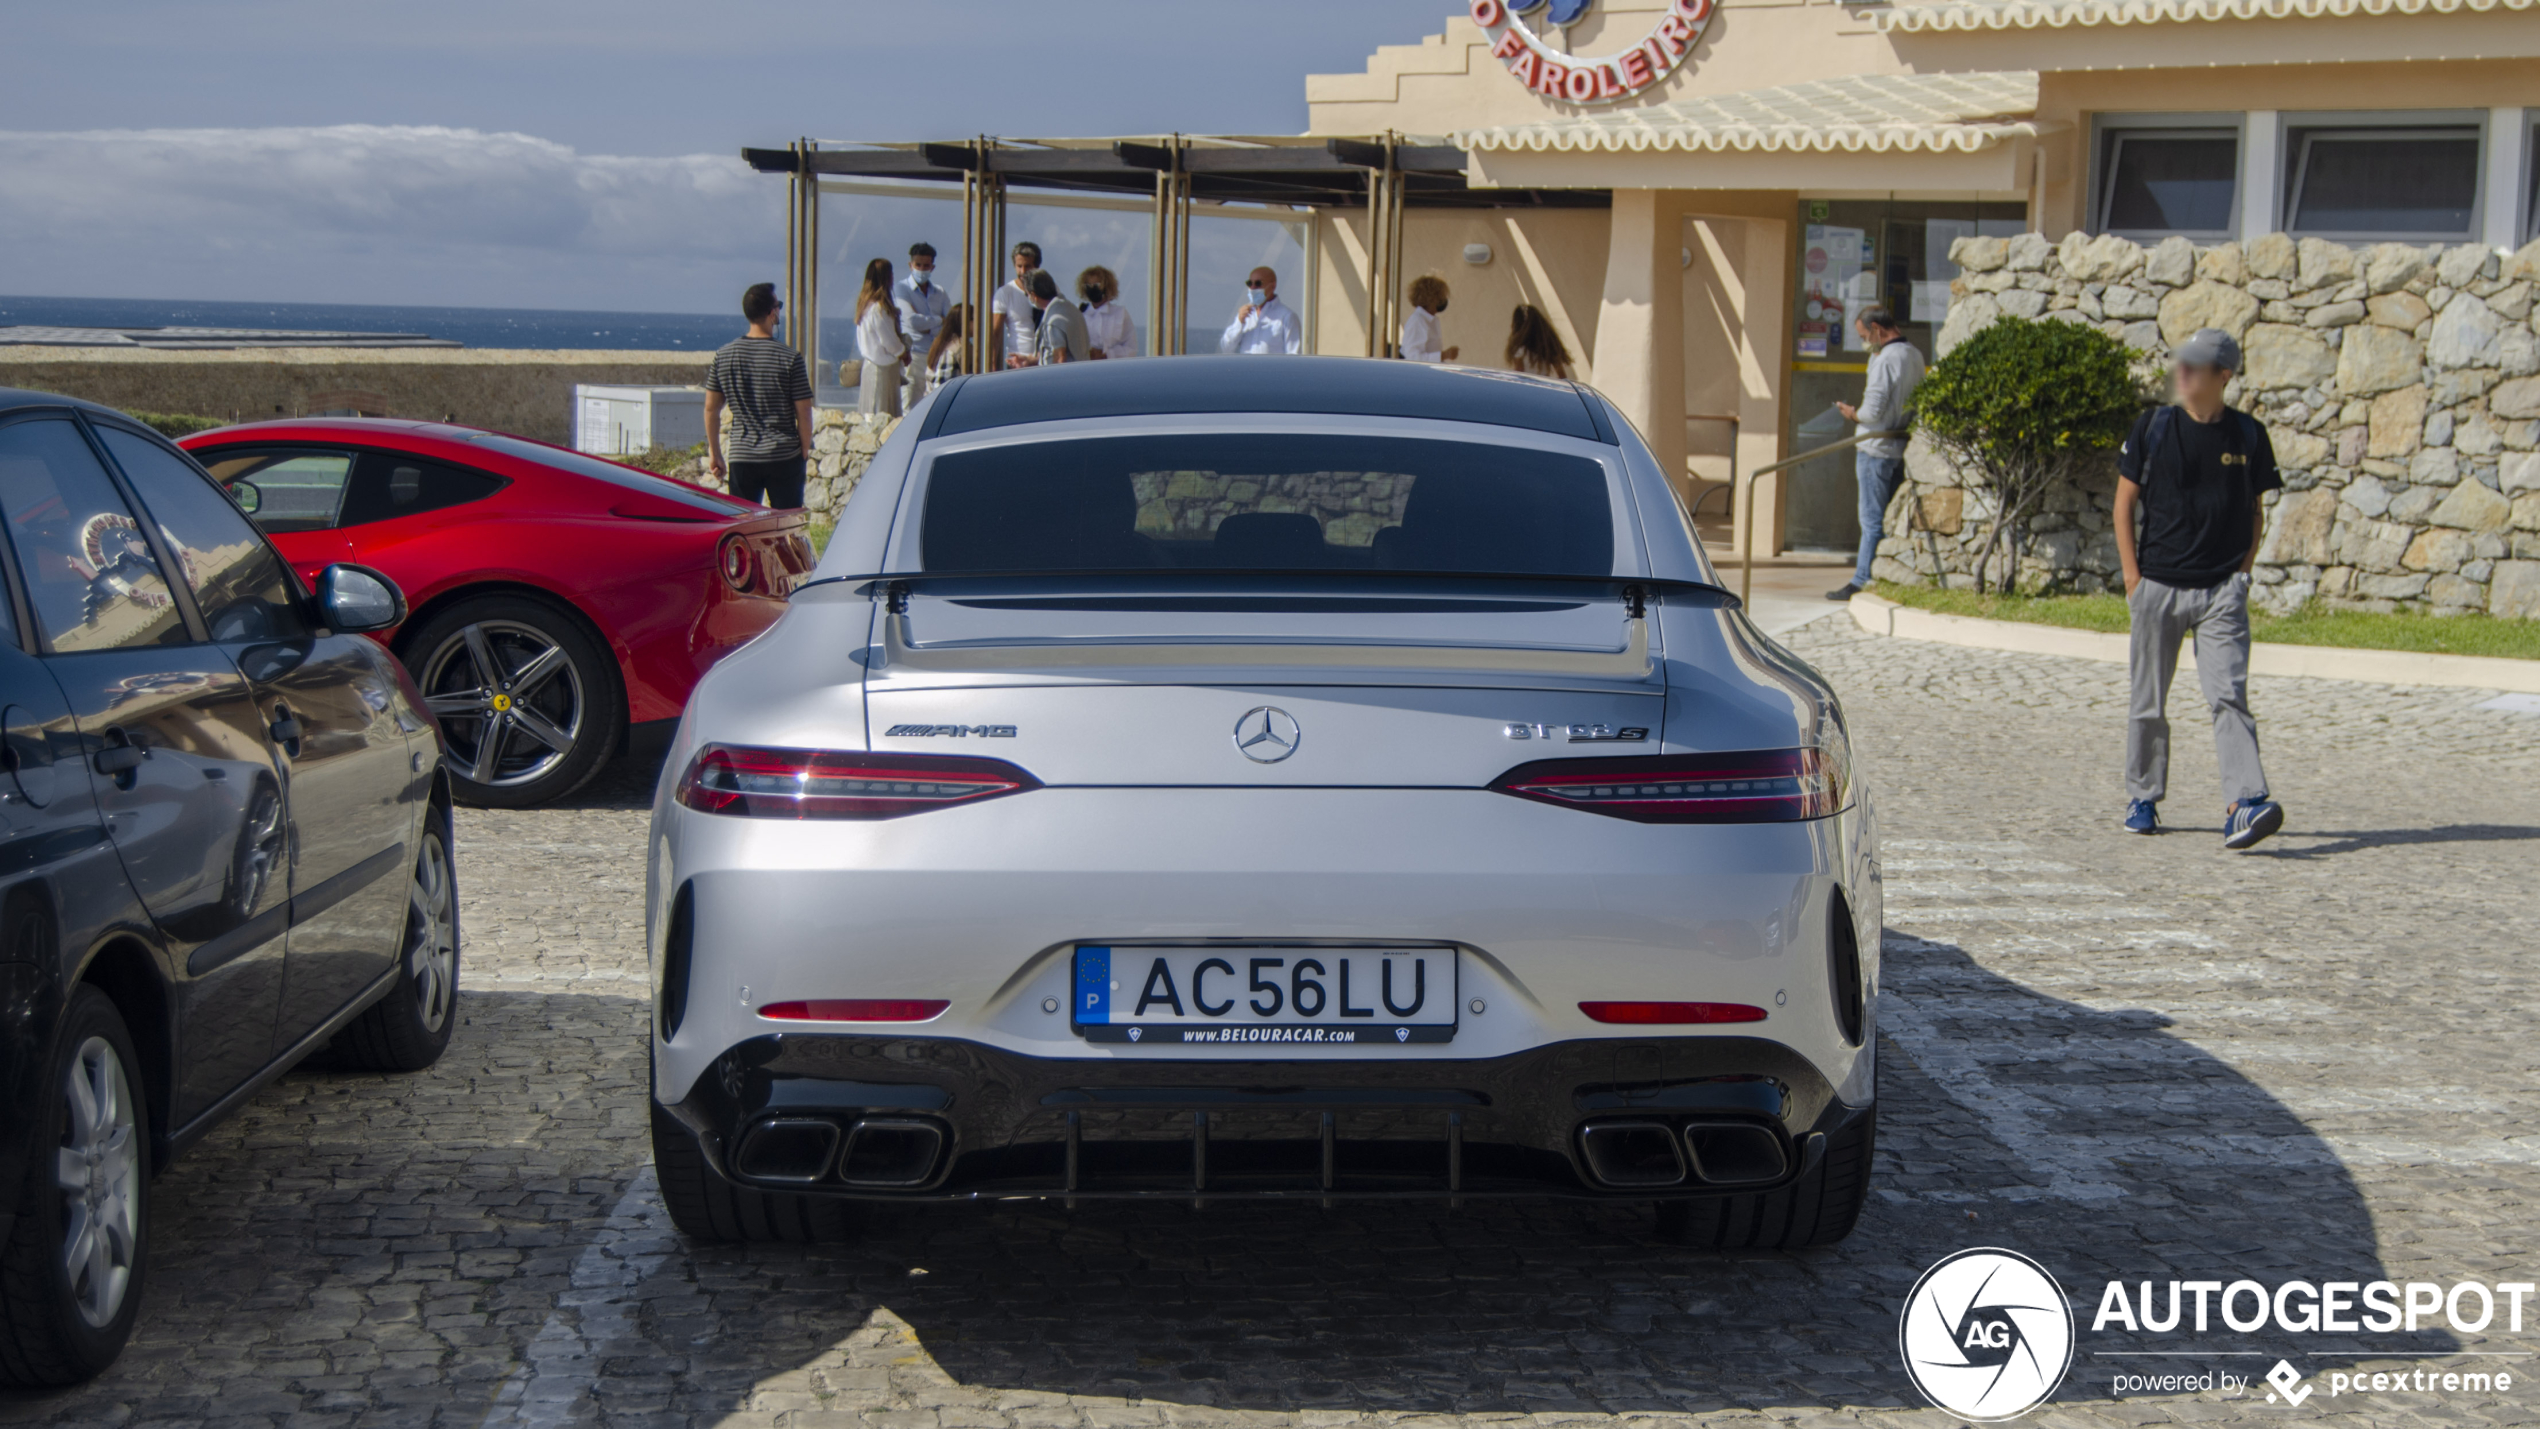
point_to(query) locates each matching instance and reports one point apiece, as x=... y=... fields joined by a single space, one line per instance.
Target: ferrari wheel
x=528 y=698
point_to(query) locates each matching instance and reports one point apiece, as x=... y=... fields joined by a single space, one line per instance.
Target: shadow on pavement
x=2290 y=845
x=473 y=1195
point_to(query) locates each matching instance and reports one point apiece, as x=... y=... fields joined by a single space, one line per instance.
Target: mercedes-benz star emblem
x=1267 y=735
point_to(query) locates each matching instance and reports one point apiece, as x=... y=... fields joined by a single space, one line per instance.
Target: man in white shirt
x=1018 y=321
x=1263 y=323
x=923 y=307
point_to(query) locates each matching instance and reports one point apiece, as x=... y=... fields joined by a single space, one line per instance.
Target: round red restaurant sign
x=1602 y=79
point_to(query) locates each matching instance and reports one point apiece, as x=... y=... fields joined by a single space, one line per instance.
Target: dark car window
x=387 y=485
x=239 y=584
x=89 y=572
x=704 y=502
x=1267 y=501
x=297 y=489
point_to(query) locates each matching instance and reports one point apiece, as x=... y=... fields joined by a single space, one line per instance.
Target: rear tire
x=409 y=1029
x=71 y=1271
x=521 y=674
x=706 y=1207
x=1819 y=1208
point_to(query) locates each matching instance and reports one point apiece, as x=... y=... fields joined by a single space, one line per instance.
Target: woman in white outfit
x=878 y=341
x=1420 y=326
x=1107 y=326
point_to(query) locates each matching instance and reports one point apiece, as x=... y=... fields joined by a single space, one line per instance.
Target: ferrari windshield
x=1253 y=501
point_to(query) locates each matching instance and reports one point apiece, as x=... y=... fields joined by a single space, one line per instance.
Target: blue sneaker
x=2252 y=820
x=2143 y=817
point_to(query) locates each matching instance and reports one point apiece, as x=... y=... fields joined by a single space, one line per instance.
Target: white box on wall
x=622 y=421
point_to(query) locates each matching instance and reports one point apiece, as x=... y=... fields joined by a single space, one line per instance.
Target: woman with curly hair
x=1420 y=325
x=1107 y=325
x=1534 y=347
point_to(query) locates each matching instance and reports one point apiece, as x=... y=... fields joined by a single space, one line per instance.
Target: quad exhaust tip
x=877 y=1152
x=1649 y=1154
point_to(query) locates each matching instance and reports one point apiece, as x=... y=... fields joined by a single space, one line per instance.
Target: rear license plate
x=1261 y=996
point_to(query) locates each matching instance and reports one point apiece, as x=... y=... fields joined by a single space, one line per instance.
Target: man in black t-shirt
x=2197 y=472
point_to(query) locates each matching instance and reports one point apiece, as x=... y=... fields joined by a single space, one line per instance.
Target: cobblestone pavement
x=2131 y=1058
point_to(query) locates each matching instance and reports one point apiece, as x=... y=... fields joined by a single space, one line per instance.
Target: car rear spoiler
x=1628 y=659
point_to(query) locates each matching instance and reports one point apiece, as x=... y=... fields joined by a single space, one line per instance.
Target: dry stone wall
x=2400 y=385
x=842 y=446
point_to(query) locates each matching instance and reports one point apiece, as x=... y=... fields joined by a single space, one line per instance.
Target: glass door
x=1855 y=254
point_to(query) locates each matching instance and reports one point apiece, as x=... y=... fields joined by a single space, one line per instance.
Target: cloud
x=380 y=214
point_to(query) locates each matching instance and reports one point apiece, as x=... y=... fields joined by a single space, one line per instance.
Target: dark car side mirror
x=356 y=600
x=249 y=496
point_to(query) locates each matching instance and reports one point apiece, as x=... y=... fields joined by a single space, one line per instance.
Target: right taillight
x=1756 y=786
x=736 y=562
x=832 y=784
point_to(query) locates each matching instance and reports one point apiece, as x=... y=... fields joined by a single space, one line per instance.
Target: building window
x=2154 y=182
x=2531 y=184
x=2391 y=181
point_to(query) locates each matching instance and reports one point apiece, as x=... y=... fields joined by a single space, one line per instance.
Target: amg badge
x=949 y=731
x=1581 y=733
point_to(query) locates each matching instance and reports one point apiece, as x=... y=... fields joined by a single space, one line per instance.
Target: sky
x=561 y=153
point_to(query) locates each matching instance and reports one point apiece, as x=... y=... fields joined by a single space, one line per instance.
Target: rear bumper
x=942 y=1119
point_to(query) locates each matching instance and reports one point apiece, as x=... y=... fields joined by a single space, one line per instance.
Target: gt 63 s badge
x=1987 y=1334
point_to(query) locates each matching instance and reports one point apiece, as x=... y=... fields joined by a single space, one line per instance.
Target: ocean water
x=476 y=327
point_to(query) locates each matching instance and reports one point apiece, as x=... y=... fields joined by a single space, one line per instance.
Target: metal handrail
x=1746 y=522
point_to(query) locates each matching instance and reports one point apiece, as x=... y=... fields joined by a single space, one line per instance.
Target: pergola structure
x=1383 y=174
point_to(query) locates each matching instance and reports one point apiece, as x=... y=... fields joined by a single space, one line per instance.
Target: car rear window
x=705 y=502
x=1257 y=501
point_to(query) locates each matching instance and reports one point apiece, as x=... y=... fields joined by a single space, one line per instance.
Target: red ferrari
x=562 y=605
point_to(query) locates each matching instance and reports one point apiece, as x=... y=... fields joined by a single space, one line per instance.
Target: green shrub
x=2022 y=407
x=173 y=424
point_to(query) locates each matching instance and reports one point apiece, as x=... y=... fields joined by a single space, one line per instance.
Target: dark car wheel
x=407 y=1030
x=528 y=697
x=706 y=1207
x=71 y=1272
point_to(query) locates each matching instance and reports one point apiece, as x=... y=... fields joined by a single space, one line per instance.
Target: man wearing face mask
x=1263 y=323
x=923 y=305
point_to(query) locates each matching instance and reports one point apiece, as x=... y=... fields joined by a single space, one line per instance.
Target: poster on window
x=1834 y=270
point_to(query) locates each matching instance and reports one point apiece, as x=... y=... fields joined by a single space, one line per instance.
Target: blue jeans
x=1879 y=477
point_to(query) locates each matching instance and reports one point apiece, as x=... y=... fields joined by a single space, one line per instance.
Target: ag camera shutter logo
x=1986 y=1334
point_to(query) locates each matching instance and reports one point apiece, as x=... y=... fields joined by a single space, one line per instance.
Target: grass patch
x=2349 y=629
x=819 y=534
x=666 y=461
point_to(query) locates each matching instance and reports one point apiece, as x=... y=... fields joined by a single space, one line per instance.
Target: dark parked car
x=224 y=845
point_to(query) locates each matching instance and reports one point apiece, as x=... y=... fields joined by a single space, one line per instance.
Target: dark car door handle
x=286 y=730
x=120 y=758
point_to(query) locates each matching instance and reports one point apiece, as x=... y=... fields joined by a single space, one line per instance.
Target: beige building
x=1796 y=160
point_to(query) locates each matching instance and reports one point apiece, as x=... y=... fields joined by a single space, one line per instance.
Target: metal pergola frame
x=1384 y=174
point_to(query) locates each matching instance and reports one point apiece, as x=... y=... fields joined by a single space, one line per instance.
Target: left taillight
x=1756 y=786
x=834 y=784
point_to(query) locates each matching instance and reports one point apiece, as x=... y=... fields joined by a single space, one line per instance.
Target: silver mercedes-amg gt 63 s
x=1226 y=778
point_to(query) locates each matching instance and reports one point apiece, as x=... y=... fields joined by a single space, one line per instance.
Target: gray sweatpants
x=2220 y=617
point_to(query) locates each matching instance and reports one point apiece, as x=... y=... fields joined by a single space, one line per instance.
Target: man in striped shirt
x=768 y=390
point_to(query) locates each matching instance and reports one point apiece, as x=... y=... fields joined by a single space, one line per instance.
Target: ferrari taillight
x=1756 y=786
x=832 y=784
x=737 y=563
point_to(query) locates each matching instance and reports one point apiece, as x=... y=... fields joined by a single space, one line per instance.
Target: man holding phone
x=1263 y=323
x=2197 y=472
